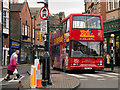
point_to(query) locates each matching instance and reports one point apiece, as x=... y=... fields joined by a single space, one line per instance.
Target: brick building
x=21 y=32
x=110 y=11
x=0 y=32
x=96 y=7
x=39 y=44
x=112 y=26
x=5 y=32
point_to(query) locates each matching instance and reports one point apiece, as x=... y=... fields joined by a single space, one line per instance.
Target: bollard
x=33 y=77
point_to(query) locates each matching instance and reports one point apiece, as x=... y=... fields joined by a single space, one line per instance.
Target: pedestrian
x=108 y=58
x=11 y=68
x=15 y=53
x=12 y=56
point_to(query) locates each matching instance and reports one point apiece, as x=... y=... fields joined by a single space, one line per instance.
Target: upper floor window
x=33 y=33
x=25 y=30
x=113 y=4
x=109 y=4
x=119 y=4
x=5 y=19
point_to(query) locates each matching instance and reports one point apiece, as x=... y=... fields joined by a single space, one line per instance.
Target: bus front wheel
x=63 y=67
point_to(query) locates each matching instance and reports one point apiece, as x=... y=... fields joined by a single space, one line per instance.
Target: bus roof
x=75 y=14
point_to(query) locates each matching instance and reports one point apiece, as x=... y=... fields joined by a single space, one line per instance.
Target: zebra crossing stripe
x=107 y=75
x=16 y=80
x=92 y=75
x=101 y=79
x=78 y=76
x=1 y=79
x=114 y=73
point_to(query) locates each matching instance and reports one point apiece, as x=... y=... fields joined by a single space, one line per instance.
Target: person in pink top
x=11 y=68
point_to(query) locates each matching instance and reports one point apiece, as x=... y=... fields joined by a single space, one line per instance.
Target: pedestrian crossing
x=98 y=76
x=12 y=80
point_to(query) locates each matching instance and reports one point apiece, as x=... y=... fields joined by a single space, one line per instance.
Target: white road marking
x=115 y=78
x=114 y=73
x=92 y=75
x=83 y=79
x=101 y=79
x=107 y=75
x=16 y=80
x=1 y=79
x=78 y=76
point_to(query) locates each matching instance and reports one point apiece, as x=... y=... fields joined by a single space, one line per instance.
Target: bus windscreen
x=86 y=49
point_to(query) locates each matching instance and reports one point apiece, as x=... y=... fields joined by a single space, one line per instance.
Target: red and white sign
x=44 y=13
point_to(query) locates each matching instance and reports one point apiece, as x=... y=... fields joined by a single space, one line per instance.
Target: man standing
x=15 y=53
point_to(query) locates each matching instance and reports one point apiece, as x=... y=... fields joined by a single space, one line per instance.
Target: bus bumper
x=86 y=68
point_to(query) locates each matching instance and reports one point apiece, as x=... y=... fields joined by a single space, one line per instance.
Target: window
x=87 y=22
x=86 y=49
x=113 y=4
x=5 y=19
x=68 y=25
x=109 y=4
x=28 y=31
x=23 y=29
x=119 y=4
x=64 y=26
x=33 y=33
x=57 y=50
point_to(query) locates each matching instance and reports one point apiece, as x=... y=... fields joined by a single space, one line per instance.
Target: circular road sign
x=44 y=13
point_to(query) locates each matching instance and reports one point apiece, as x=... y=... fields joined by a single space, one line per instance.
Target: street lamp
x=112 y=51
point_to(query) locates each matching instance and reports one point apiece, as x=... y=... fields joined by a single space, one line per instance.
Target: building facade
x=0 y=32
x=21 y=31
x=96 y=7
x=5 y=32
x=110 y=11
x=112 y=26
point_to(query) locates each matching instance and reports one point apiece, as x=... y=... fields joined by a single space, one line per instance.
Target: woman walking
x=11 y=68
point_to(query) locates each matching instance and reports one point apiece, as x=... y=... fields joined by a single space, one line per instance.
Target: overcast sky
x=56 y=6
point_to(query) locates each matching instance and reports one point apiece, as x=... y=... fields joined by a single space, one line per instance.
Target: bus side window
x=67 y=47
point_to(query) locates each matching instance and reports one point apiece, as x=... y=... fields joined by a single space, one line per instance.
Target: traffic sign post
x=44 y=13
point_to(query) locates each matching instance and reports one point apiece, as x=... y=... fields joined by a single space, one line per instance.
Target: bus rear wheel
x=63 y=67
x=52 y=65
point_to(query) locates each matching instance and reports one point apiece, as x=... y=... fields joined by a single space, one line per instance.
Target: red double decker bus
x=79 y=45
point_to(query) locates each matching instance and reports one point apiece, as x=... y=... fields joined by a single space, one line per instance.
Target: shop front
x=26 y=53
x=112 y=27
x=39 y=51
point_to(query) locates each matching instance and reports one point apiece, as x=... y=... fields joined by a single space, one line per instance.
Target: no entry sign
x=44 y=13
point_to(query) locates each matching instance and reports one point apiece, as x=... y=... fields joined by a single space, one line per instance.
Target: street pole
x=112 y=52
x=46 y=56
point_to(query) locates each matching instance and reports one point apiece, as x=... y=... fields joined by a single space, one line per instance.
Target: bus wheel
x=63 y=67
x=52 y=65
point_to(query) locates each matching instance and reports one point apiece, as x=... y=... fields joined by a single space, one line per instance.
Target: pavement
x=59 y=80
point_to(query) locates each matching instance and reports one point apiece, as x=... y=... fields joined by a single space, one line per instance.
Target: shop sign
x=15 y=44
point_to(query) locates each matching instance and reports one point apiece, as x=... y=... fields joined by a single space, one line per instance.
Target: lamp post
x=112 y=52
x=46 y=61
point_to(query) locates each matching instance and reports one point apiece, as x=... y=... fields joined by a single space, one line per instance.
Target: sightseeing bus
x=79 y=45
